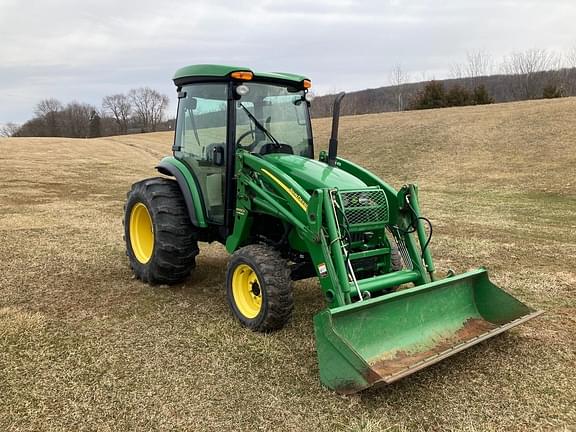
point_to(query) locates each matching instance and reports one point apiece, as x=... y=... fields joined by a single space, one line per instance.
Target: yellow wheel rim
x=247 y=291
x=141 y=233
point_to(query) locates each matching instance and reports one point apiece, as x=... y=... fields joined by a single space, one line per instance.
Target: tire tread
x=274 y=275
x=175 y=244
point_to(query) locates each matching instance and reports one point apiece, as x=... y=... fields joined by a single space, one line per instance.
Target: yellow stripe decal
x=288 y=190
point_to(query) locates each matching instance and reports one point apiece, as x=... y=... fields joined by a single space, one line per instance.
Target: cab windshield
x=273 y=119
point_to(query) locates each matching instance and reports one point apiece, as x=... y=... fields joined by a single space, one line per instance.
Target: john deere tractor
x=244 y=173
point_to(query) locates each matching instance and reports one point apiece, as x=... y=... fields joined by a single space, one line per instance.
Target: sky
x=84 y=50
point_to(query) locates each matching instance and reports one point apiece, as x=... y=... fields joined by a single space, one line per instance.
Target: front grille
x=364 y=208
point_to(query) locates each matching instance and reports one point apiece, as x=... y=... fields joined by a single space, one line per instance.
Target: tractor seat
x=274 y=148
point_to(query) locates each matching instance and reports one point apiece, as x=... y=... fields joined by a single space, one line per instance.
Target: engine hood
x=312 y=174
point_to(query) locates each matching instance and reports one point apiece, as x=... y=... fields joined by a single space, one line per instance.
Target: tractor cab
x=222 y=109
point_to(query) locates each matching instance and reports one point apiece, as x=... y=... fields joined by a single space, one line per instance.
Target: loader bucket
x=381 y=340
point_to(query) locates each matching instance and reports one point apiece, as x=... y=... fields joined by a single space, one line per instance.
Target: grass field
x=84 y=346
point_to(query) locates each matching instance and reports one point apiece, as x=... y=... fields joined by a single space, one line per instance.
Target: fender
x=172 y=167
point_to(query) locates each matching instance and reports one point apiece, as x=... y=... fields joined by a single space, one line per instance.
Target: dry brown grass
x=84 y=346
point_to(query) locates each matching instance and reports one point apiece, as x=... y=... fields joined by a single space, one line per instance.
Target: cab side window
x=201 y=140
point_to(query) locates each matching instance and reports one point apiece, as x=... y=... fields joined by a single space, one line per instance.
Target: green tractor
x=243 y=173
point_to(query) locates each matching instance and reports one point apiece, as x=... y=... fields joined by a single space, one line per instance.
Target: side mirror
x=192 y=102
x=218 y=155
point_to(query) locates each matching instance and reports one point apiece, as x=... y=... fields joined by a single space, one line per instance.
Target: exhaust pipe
x=333 y=144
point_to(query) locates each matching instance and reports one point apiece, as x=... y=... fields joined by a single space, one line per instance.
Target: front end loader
x=243 y=173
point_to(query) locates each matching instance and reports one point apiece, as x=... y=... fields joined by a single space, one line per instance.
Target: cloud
x=86 y=50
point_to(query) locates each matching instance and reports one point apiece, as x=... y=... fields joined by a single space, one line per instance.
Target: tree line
x=140 y=110
x=522 y=75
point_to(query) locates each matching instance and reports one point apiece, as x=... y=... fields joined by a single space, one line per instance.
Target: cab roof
x=211 y=71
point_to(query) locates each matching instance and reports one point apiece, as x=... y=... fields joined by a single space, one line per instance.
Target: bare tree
x=95 y=127
x=120 y=108
x=35 y=127
x=76 y=120
x=527 y=67
x=48 y=110
x=9 y=129
x=47 y=106
x=479 y=63
x=570 y=57
x=399 y=77
x=456 y=71
x=149 y=106
x=568 y=72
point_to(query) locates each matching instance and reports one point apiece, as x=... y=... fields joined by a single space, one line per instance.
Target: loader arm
x=262 y=188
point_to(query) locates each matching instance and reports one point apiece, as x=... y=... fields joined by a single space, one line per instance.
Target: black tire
x=273 y=285
x=174 y=250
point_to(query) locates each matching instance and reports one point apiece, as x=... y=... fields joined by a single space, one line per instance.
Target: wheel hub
x=141 y=233
x=255 y=289
x=246 y=291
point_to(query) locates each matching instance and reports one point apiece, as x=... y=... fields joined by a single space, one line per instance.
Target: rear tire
x=160 y=238
x=259 y=288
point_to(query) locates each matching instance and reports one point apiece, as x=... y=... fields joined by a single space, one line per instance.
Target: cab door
x=201 y=133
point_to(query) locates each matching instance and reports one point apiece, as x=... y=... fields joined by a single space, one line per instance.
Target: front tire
x=160 y=238
x=259 y=288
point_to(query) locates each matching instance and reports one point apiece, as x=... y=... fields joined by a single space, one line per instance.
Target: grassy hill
x=84 y=346
x=503 y=88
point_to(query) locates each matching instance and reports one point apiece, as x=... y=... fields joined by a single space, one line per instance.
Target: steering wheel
x=244 y=135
